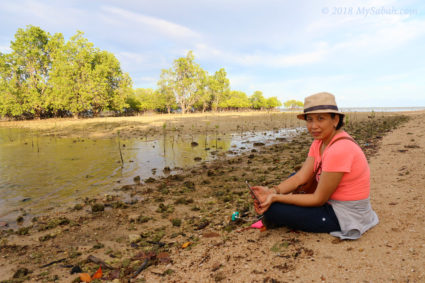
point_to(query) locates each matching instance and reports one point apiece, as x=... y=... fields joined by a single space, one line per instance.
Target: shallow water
x=37 y=172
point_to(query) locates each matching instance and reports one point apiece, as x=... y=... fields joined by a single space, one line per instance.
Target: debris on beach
x=173 y=217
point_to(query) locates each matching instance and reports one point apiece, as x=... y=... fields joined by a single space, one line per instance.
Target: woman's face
x=321 y=125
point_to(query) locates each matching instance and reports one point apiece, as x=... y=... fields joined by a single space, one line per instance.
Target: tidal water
x=382 y=109
x=39 y=172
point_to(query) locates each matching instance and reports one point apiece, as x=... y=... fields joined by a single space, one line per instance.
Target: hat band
x=320 y=107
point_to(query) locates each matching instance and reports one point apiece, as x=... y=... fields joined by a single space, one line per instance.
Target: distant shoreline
x=183 y=221
x=370 y=109
x=382 y=109
x=154 y=125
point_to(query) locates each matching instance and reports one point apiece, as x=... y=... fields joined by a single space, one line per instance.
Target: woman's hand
x=265 y=198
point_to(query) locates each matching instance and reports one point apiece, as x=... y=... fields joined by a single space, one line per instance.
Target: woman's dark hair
x=341 y=120
x=340 y=123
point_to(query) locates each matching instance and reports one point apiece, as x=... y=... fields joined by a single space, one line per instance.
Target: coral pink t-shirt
x=347 y=157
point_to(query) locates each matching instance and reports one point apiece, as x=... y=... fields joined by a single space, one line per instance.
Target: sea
x=375 y=109
x=381 y=109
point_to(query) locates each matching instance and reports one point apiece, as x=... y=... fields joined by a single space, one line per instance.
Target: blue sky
x=368 y=53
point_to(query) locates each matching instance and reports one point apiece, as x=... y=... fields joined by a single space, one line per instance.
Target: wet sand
x=153 y=125
x=181 y=225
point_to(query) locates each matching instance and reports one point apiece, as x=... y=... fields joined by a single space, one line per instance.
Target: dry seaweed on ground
x=190 y=205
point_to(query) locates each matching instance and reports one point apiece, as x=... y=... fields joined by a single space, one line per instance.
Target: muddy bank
x=156 y=125
x=41 y=171
x=179 y=228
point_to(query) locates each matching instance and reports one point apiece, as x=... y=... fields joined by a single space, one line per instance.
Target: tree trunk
x=37 y=113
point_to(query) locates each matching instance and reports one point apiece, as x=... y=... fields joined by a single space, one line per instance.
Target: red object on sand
x=258 y=225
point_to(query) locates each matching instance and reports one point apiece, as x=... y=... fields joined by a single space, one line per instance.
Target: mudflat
x=179 y=228
x=153 y=125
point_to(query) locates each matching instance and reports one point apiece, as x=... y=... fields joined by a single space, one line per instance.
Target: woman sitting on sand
x=340 y=205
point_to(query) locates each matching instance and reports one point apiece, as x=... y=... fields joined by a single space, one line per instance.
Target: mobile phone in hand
x=252 y=192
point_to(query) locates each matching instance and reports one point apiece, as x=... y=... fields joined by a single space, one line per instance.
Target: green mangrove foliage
x=293 y=104
x=194 y=89
x=185 y=81
x=46 y=76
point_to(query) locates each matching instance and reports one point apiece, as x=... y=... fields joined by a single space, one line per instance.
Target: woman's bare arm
x=328 y=183
x=299 y=178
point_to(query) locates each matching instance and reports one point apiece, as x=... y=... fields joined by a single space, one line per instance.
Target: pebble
x=97 y=207
x=133 y=217
x=133 y=238
x=21 y=273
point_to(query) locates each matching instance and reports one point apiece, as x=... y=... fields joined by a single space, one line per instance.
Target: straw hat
x=322 y=102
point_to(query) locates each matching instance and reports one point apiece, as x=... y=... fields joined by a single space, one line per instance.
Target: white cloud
x=132 y=57
x=279 y=60
x=270 y=59
x=142 y=63
x=244 y=82
x=383 y=37
x=281 y=48
x=285 y=89
x=365 y=34
x=206 y=51
x=5 y=49
x=392 y=77
x=382 y=95
x=405 y=89
x=306 y=85
x=299 y=59
x=38 y=13
x=146 y=80
x=160 y=25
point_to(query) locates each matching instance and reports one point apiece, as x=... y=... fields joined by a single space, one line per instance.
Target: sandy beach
x=179 y=228
x=152 y=125
x=390 y=252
